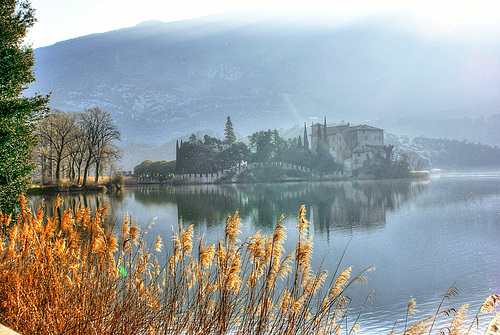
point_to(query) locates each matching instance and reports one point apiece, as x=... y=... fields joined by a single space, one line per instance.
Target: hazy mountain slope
x=164 y=80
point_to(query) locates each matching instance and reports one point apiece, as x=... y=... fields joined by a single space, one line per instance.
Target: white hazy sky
x=64 y=19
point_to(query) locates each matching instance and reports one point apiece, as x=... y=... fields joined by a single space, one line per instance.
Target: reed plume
x=70 y=273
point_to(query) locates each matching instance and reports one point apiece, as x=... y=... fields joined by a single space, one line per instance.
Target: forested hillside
x=446 y=153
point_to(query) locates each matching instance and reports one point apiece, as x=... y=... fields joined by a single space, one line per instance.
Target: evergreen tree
x=177 y=162
x=193 y=139
x=18 y=115
x=325 y=134
x=177 y=150
x=180 y=162
x=229 y=132
x=319 y=141
x=306 y=139
x=299 y=142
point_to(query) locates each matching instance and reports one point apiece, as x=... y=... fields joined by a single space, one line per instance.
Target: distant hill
x=161 y=81
x=447 y=154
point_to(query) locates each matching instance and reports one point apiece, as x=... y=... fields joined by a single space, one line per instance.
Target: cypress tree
x=177 y=150
x=180 y=163
x=306 y=139
x=177 y=156
x=299 y=142
x=325 y=134
x=319 y=142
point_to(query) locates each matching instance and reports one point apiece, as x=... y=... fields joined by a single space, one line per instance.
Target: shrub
x=116 y=183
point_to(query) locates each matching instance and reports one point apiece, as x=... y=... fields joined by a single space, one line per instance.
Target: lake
x=422 y=236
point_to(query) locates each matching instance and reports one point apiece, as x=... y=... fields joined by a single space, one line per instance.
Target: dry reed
x=71 y=274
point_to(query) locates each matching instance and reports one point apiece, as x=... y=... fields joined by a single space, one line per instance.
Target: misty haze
x=385 y=138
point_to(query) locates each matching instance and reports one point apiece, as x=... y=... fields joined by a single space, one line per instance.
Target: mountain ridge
x=161 y=81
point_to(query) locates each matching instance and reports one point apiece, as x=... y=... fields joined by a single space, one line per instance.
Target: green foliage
x=213 y=142
x=324 y=163
x=209 y=156
x=214 y=155
x=162 y=170
x=18 y=115
x=382 y=165
x=267 y=146
x=196 y=157
x=306 y=138
x=261 y=145
x=232 y=156
x=271 y=174
x=229 y=132
x=193 y=139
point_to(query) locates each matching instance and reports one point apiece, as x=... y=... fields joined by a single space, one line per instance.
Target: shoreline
x=44 y=189
x=92 y=188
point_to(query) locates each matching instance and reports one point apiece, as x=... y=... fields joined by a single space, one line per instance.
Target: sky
x=60 y=20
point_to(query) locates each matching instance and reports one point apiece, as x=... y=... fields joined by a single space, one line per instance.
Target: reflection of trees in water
x=72 y=201
x=151 y=195
x=344 y=206
x=208 y=203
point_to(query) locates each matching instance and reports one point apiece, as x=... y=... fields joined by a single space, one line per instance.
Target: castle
x=348 y=145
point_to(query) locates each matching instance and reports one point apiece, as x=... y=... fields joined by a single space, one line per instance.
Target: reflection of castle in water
x=362 y=205
x=331 y=206
x=350 y=208
x=339 y=206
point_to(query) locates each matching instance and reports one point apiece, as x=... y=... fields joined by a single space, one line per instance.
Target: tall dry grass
x=71 y=274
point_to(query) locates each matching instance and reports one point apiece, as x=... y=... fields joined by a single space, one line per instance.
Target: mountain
x=161 y=81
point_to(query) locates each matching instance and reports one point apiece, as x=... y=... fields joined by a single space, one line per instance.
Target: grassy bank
x=72 y=274
x=111 y=184
x=66 y=187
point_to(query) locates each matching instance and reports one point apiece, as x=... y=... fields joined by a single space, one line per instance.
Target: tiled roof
x=364 y=127
x=346 y=127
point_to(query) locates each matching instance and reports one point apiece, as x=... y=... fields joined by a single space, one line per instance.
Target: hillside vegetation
x=445 y=153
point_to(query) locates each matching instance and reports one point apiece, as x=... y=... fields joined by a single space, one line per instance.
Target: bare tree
x=416 y=161
x=99 y=134
x=78 y=154
x=57 y=133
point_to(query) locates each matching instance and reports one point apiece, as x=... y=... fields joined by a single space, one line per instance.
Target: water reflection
x=360 y=206
x=421 y=236
x=341 y=206
x=72 y=201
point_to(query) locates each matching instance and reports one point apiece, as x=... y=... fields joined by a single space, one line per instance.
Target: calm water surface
x=422 y=237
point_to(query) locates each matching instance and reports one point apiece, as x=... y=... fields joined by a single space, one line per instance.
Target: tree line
x=210 y=154
x=76 y=144
x=458 y=154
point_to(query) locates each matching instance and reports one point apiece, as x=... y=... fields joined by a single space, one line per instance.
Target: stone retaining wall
x=210 y=178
